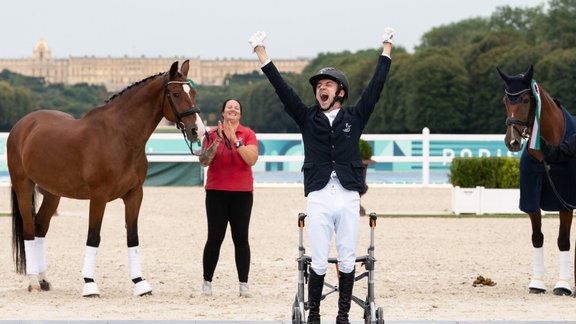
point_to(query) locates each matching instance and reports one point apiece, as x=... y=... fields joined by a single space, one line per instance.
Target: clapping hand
x=230 y=131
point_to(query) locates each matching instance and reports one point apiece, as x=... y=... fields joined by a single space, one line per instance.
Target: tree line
x=449 y=84
x=20 y=95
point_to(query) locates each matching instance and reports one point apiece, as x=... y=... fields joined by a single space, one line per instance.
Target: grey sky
x=210 y=29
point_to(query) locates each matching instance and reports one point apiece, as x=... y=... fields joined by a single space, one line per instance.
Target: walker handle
x=301 y=217
x=373 y=218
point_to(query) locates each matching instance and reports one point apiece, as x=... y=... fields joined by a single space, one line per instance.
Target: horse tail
x=18 y=250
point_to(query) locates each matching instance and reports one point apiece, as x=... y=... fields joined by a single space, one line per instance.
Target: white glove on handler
x=257 y=39
x=388 y=35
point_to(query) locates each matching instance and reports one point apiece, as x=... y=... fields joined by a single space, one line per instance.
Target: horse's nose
x=193 y=135
x=513 y=145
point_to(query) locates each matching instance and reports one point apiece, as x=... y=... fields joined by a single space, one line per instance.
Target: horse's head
x=181 y=97
x=519 y=103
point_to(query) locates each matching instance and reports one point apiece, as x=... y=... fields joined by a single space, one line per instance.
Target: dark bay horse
x=100 y=157
x=543 y=186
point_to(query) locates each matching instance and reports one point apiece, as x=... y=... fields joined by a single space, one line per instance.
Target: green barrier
x=174 y=174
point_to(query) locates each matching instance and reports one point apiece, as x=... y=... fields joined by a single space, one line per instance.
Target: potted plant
x=366 y=155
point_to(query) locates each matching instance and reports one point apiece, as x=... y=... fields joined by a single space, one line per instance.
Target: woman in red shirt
x=230 y=151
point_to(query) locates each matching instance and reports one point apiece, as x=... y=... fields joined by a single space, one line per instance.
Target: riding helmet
x=332 y=74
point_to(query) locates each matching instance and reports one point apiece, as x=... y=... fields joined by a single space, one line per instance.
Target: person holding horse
x=558 y=153
x=332 y=165
x=229 y=151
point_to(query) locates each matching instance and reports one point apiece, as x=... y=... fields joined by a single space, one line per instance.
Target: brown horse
x=100 y=157
x=543 y=186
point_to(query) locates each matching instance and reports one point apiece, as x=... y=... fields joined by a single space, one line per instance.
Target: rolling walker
x=372 y=314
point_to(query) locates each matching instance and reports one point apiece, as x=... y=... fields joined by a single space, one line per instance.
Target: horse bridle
x=513 y=121
x=179 y=115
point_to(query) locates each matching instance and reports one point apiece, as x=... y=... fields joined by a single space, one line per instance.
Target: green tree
x=35 y=84
x=15 y=102
x=557 y=27
x=555 y=72
x=436 y=93
x=211 y=98
x=265 y=112
x=524 y=21
x=389 y=115
x=456 y=34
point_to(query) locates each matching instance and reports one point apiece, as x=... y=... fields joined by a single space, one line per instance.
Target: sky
x=219 y=29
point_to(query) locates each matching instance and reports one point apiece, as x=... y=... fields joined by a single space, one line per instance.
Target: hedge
x=488 y=172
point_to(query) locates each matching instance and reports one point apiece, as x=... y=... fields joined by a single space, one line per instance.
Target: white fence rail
x=446 y=147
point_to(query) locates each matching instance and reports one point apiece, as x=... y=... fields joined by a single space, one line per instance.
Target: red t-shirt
x=228 y=171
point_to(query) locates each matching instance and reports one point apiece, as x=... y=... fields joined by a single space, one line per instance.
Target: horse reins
x=179 y=115
x=560 y=199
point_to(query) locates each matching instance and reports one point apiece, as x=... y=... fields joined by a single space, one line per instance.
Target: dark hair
x=226 y=101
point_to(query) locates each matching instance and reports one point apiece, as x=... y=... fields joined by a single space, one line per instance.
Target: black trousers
x=223 y=207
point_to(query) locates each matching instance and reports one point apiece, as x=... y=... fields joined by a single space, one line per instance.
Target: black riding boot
x=315 y=285
x=345 y=286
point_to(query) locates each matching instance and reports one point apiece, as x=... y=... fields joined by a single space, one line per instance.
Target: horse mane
x=555 y=101
x=118 y=94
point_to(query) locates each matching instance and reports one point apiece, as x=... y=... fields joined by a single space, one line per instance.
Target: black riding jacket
x=335 y=147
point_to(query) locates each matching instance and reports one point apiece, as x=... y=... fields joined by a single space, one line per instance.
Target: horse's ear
x=185 y=67
x=173 y=70
x=529 y=74
x=503 y=75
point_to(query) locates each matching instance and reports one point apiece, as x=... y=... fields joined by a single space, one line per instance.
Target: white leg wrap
x=538 y=263
x=134 y=262
x=565 y=273
x=41 y=250
x=90 y=289
x=89 y=268
x=42 y=276
x=537 y=281
x=31 y=257
x=142 y=288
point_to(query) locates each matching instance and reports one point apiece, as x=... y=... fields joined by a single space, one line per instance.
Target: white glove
x=388 y=35
x=257 y=39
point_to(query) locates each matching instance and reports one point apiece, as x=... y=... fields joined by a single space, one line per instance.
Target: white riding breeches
x=333 y=209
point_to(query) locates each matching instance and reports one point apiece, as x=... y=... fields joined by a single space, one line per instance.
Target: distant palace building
x=117 y=73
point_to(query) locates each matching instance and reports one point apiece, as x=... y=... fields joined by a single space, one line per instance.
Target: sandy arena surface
x=425 y=268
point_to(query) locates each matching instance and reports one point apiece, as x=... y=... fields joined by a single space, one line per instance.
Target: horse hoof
x=537 y=286
x=142 y=288
x=45 y=285
x=562 y=288
x=34 y=288
x=90 y=290
x=562 y=292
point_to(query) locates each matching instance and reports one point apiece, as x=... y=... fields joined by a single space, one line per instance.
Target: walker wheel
x=380 y=315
